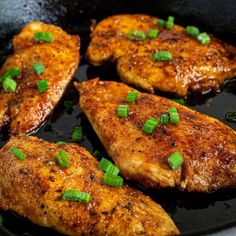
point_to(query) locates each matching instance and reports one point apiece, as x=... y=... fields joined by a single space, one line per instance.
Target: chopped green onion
x=132 y=96
x=77 y=134
x=164 y=119
x=43 y=37
x=38 y=68
x=170 y=22
x=153 y=33
x=175 y=160
x=97 y=154
x=160 y=22
x=18 y=153
x=122 y=110
x=169 y=25
x=112 y=180
x=193 y=31
x=1 y=219
x=230 y=116
x=62 y=159
x=172 y=109
x=204 y=38
x=42 y=85
x=136 y=35
x=150 y=125
x=170 y=19
x=108 y=167
x=180 y=101
x=13 y=72
x=9 y=85
x=61 y=143
x=68 y=105
x=76 y=196
x=104 y=164
x=162 y=56
x=174 y=116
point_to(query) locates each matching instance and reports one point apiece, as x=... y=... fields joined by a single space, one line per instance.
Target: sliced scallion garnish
x=62 y=159
x=112 y=180
x=123 y=110
x=162 y=56
x=180 y=101
x=132 y=96
x=153 y=33
x=76 y=196
x=43 y=37
x=172 y=109
x=42 y=85
x=193 y=31
x=164 y=119
x=150 y=125
x=136 y=35
x=175 y=160
x=18 y=153
x=170 y=22
x=68 y=105
x=13 y=72
x=9 y=85
x=38 y=68
x=230 y=116
x=97 y=154
x=160 y=22
x=77 y=134
x=174 y=116
x=61 y=143
x=204 y=38
x=108 y=167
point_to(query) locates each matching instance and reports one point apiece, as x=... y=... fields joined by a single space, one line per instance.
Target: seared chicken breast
x=195 y=67
x=26 y=109
x=207 y=146
x=33 y=187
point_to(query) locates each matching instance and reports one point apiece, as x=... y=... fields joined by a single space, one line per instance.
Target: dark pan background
x=194 y=213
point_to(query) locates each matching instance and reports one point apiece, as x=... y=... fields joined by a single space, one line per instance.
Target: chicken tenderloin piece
x=33 y=187
x=195 y=67
x=207 y=146
x=27 y=108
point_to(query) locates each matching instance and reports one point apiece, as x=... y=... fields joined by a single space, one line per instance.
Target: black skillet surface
x=194 y=213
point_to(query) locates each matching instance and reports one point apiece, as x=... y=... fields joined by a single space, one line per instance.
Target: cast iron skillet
x=194 y=213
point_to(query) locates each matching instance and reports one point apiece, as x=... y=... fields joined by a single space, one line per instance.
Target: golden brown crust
x=207 y=145
x=33 y=188
x=27 y=109
x=195 y=67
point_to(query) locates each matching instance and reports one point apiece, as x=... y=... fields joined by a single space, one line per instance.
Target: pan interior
x=193 y=213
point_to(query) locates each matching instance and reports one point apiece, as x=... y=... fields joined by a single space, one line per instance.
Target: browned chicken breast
x=195 y=67
x=26 y=109
x=207 y=146
x=33 y=187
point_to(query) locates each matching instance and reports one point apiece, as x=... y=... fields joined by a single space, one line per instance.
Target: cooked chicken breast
x=26 y=109
x=207 y=146
x=33 y=188
x=195 y=67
